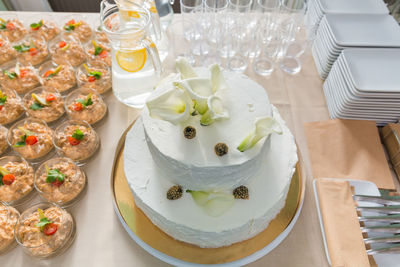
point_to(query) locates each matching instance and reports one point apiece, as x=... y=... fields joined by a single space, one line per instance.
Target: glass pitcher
x=136 y=65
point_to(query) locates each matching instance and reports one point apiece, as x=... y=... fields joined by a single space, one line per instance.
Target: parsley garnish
x=36 y=106
x=1 y=179
x=98 y=50
x=43 y=220
x=37 y=25
x=78 y=135
x=53 y=175
x=95 y=74
x=86 y=102
x=22 y=48
x=3 y=100
x=21 y=142
x=3 y=25
x=69 y=27
x=10 y=75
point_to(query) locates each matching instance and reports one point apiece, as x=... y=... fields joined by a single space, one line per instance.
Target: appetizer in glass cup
x=76 y=140
x=45 y=230
x=8 y=219
x=66 y=49
x=12 y=28
x=45 y=104
x=96 y=76
x=31 y=139
x=7 y=52
x=98 y=51
x=32 y=50
x=16 y=183
x=85 y=105
x=44 y=28
x=11 y=106
x=100 y=35
x=61 y=181
x=21 y=78
x=78 y=27
x=59 y=77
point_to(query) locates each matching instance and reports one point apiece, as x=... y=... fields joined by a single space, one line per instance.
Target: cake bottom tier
x=184 y=220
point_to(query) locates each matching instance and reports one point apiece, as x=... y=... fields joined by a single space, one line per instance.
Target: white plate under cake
x=158 y=157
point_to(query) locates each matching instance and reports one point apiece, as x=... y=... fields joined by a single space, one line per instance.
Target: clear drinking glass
x=238 y=12
x=179 y=45
x=136 y=65
x=269 y=36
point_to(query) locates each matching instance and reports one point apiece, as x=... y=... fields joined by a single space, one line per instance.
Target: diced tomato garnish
x=1 y=43
x=50 y=229
x=91 y=79
x=57 y=183
x=8 y=179
x=1 y=107
x=78 y=106
x=10 y=26
x=62 y=44
x=103 y=54
x=33 y=51
x=47 y=73
x=50 y=97
x=73 y=142
x=23 y=72
x=72 y=21
x=31 y=140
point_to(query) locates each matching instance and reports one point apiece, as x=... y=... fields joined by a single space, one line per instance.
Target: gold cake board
x=141 y=229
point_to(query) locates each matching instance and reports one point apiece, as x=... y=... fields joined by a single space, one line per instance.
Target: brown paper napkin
x=348 y=149
x=342 y=229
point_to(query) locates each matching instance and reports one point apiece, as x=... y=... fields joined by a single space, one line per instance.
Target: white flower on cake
x=185 y=69
x=213 y=203
x=216 y=111
x=171 y=104
x=199 y=90
x=263 y=127
x=217 y=79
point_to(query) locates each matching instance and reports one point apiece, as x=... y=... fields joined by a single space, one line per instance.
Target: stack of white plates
x=339 y=31
x=317 y=8
x=364 y=84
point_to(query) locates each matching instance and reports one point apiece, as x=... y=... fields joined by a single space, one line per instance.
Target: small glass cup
x=4 y=147
x=16 y=30
x=22 y=189
x=86 y=75
x=35 y=243
x=7 y=52
x=66 y=49
x=69 y=191
x=81 y=30
x=37 y=53
x=67 y=145
x=51 y=112
x=92 y=113
x=94 y=55
x=179 y=45
x=8 y=219
x=27 y=79
x=13 y=108
x=33 y=149
x=63 y=81
x=49 y=28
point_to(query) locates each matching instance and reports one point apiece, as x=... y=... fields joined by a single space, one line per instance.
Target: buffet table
x=102 y=241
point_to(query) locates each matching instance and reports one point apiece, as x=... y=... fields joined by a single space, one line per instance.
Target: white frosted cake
x=197 y=165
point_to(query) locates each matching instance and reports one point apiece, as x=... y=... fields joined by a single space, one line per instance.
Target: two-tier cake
x=210 y=160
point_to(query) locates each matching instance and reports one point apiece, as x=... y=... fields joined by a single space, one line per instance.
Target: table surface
x=101 y=239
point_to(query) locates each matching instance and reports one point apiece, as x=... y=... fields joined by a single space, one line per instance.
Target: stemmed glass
x=240 y=37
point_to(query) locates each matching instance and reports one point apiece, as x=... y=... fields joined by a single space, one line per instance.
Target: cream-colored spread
x=64 y=80
x=23 y=183
x=26 y=80
x=48 y=30
x=12 y=108
x=8 y=219
x=14 y=33
x=50 y=112
x=92 y=113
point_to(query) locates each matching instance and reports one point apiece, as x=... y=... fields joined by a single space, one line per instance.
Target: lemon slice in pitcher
x=131 y=61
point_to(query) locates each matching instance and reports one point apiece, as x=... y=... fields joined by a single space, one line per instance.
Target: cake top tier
x=244 y=101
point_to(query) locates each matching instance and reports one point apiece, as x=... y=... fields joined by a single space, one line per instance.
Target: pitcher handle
x=155 y=19
x=152 y=50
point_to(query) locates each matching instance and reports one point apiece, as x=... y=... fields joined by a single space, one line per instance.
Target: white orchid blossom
x=263 y=127
x=185 y=69
x=217 y=79
x=216 y=111
x=171 y=104
x=199 y=90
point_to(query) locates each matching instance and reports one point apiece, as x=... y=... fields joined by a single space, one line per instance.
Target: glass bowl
x=66 y=49
x=8 y=219
x=3 y=140
x=27 y=79
x=103 y=55
x=12 y=109
x=83 y=32
x=65 y=193
x=38 y=50
x=36 y=148
x=53 y=108
x=76 y=140
x=86 y=75
x=33 y=239
x=17 y=30
x=92 y=113
x=50 y=30
x=20 y=190
x=7 y=52
x=59 y=77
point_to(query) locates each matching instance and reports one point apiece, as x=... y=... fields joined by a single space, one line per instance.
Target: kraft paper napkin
x=348 y=149
x=342 y=229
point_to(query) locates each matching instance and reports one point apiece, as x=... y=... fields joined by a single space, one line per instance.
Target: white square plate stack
x=317 y=8
x=364 y=84
x=339 y=31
